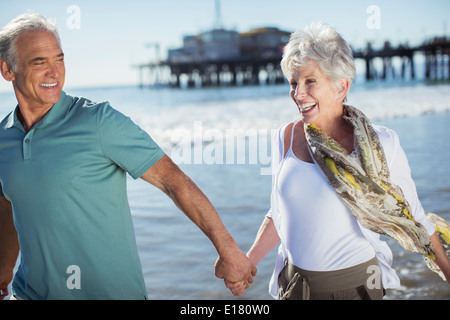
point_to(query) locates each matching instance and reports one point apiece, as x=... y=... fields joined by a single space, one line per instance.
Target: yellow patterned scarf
x=364 y=185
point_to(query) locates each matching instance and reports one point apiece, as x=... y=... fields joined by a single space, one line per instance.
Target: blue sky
x=112 y=34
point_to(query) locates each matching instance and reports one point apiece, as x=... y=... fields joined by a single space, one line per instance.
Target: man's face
x=40 y=74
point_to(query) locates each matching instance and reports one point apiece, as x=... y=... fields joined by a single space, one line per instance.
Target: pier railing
x=247 y=70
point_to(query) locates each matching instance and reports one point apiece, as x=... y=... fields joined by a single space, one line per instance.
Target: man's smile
x=48 y=85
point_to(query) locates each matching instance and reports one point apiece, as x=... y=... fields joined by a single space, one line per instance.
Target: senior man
x=63 y=165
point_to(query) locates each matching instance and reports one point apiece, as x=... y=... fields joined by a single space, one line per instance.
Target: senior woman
x=338 y=183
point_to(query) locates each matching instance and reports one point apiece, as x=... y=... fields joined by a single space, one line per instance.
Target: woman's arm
x=266 y=240
x=401 y=175
x=441 y=257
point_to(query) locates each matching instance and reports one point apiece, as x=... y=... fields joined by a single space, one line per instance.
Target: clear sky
x=103 y=39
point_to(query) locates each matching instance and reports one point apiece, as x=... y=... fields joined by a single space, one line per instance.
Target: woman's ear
x=343 y=87
x=6 y=70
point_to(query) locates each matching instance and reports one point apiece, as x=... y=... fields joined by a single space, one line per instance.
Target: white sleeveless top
x=320 y=233
x=317 y=231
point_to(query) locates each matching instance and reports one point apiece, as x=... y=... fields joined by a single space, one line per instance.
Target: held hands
x=237 y=288
x=236 y=270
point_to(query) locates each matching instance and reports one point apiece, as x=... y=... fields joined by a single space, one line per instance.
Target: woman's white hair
x=23 y=23
x=322 y=45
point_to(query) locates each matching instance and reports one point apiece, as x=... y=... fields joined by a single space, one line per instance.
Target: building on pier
x=220 y=56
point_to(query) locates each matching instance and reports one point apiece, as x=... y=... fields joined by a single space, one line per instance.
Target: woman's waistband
x=336 y=280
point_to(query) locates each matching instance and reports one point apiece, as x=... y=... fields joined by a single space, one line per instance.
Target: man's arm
x=232 y=264
x=9 y=246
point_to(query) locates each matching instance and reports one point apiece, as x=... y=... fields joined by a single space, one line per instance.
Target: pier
x=222 y=57
x=435 y=51
x=212 y=73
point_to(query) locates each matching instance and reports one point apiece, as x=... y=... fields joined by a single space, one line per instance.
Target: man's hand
x=9 y=246
x=237 y=271
x=5 y=279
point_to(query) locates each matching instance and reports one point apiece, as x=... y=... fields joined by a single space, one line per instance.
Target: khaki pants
x=346 y=284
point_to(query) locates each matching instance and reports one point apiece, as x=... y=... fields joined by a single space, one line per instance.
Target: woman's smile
x=305 y=107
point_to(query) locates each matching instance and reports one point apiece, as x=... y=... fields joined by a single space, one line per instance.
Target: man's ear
x=6 y=70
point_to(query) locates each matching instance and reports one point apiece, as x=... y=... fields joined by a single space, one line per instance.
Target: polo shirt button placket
x=27 y=147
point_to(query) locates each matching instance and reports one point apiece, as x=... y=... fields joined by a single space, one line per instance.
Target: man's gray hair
x=322 y=45
x=23 y=23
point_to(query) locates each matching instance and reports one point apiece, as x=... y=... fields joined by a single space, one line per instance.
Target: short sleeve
x=125 y=143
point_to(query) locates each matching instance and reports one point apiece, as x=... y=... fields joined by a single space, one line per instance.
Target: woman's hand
x=236 y=288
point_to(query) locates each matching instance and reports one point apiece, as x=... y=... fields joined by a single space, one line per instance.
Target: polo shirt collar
x=57 y=113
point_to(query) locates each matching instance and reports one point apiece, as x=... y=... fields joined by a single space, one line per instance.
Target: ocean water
x=221 y=138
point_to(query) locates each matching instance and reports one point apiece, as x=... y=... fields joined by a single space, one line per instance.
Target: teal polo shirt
x=66 y=180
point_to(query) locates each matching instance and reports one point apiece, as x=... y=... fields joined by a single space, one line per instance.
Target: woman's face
x=315 y=95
